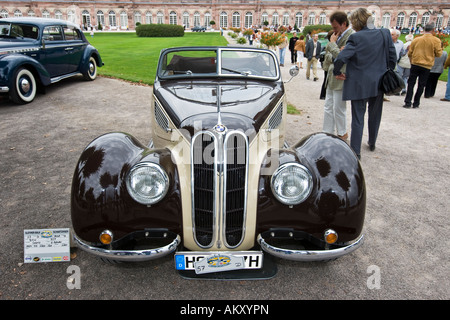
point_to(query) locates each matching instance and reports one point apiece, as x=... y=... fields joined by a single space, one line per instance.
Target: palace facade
x=123 y=14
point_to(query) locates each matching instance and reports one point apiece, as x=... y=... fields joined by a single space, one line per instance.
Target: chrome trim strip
x=129 y=255
x=224 y=204
x=216 y=149
x=309 y=255
x=56 y=79
x=4 y=89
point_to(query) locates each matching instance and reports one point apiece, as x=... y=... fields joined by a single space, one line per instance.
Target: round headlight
x=147 y=183
x=291 y=183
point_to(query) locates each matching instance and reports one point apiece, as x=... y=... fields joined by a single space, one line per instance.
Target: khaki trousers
x=312 y=62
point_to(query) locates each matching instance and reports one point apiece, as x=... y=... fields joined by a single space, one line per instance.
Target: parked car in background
x=199 y=29
x=217 y=185
x=36 y=52
x=405 y=31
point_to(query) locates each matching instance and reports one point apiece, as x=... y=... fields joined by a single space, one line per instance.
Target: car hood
x=16 y=44
x=194 y=104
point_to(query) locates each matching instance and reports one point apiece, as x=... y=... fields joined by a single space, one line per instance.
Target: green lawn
x=129 y=57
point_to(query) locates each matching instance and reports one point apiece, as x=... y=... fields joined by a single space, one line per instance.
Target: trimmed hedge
x=159 y=30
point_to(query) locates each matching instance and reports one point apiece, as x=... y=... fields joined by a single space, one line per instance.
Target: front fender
x=99 y=198
x=338 y=198
x=11 y=62
x=88 y=52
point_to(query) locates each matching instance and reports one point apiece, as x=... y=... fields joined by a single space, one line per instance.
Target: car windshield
x=17 y=30
x=225 y=62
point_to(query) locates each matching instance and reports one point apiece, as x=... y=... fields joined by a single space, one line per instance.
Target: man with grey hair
x=422 y=52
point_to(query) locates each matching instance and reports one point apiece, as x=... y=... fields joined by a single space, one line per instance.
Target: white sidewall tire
x=31 y=94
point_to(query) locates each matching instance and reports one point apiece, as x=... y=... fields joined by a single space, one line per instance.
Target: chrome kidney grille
x=219 y=164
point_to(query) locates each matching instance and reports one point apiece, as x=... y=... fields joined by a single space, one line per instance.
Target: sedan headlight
x=147 y=183
x=291 y=183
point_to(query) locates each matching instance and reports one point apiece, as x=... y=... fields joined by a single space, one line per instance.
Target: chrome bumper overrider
x=309 y=255
x=129 y=255
x=4 y=89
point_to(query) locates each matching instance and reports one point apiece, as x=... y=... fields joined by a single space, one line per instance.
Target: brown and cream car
x=217 y=185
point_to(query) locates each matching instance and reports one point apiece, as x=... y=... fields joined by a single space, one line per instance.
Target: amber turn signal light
x=106 y=237
x=330 y=236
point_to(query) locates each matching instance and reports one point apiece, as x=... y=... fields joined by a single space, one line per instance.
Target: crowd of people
x=356 y=57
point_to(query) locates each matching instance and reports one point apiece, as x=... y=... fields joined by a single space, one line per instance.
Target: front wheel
x=91 y=72
x=24 y=89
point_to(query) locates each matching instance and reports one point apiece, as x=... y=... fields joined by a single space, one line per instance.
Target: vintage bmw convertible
x=36 y=52
x=217 y=185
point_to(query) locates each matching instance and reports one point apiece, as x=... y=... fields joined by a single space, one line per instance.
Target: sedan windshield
x=229 y=62
x=13 y=30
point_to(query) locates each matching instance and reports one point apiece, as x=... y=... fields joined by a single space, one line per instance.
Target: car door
x=54 y=51
x=74 y=49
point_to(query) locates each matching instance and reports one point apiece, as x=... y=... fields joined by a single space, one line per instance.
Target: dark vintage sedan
x=36 y=52
x=217 y=185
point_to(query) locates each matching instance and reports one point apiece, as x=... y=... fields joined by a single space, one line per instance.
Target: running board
x=69 y=75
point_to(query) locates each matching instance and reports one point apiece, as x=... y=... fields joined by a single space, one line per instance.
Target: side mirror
x=293 y=71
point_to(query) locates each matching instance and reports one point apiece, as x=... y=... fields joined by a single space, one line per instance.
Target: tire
x=91 y=72
x=24 y=88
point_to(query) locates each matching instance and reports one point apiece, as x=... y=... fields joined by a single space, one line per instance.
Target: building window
x=197 y=19
x=137 y=17
x=31 y=13
x=425 y=18
x=100 y=18
x=223 y=20
x=439 y=20
x=186 y=19
x=236 y=23
x=285 y=19
x=323 y=18
x=148 y=17
x=4 y=13
x=159 y=18
x=248 y=20
x=412 y=20
x=207 y=19
x=299 y=19
x=172 y=17
x=86 y=18
x=71 y=16
x=400 y=20
x=112 y=18
x=123 y=20
x=58 y=15
x=275 y=20
x=312 y=18
x=264 y=17
x=386 y=22
x=18 y=13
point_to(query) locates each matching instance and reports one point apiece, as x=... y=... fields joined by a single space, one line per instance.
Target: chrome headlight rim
x=140 y=168
x=307 y=178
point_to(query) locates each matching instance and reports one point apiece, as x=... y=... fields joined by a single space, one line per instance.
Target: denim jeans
x=282 y=53
x=447 y=92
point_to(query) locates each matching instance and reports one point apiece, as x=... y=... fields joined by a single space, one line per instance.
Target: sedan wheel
x=91 y=72
x=24 y=90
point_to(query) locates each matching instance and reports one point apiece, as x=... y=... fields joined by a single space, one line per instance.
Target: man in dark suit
x=365 y=56
x=312 y=53
x=292 y=42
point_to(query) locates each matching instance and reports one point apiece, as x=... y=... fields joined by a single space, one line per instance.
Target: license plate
x=207 y=262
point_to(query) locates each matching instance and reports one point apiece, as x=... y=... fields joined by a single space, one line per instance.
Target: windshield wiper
x=189 y=72
x=244 y=73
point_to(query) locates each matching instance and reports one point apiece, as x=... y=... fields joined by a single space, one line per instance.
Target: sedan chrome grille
x=204 y=168
x=219 y=163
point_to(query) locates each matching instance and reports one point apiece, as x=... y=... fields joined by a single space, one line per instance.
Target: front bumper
x=129 y=255
x=309 y=255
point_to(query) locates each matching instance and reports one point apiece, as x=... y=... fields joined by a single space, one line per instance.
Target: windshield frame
x=220 y=71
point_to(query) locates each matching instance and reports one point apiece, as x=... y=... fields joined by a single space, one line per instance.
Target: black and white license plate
x=207 y=262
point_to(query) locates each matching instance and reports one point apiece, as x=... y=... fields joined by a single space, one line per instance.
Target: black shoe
x=407 y=106
x=415 y=106
x=372 y=147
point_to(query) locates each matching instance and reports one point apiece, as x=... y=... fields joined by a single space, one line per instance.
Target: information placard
x=46 y=245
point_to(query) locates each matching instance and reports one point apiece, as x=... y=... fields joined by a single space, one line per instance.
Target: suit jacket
x=365 y=56
x=310 y=49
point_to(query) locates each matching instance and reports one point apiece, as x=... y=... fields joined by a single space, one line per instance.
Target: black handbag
x=391 y=82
